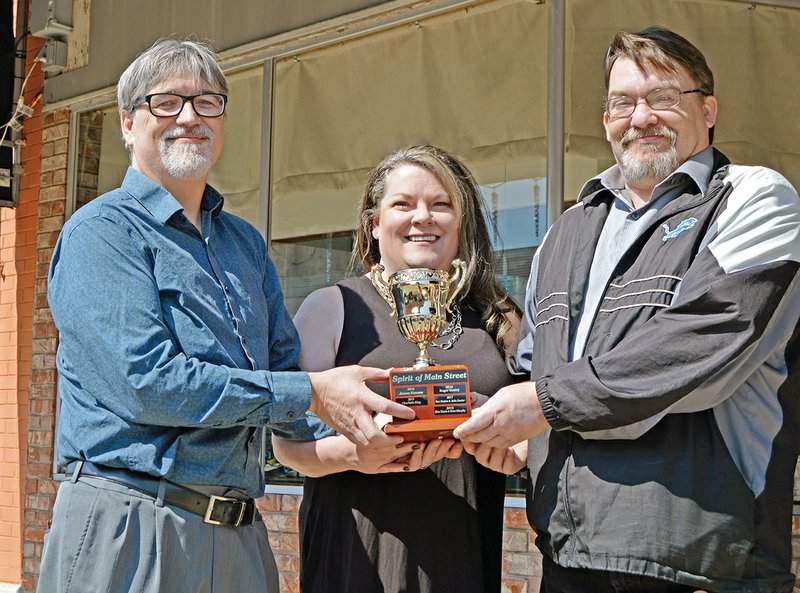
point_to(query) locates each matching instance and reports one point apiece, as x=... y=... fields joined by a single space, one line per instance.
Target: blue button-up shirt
x=170 y=340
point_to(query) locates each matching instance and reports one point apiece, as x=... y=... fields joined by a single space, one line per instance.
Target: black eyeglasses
x=171 y=104
x=658 y=99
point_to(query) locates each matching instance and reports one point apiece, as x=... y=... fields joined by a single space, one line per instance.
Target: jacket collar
x=695 y=173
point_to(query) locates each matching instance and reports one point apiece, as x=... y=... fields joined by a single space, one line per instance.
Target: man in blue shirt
x=175 y=352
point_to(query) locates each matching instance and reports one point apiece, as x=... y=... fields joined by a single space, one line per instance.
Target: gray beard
x=186 y=161
x=658 y=165
x=648 y=162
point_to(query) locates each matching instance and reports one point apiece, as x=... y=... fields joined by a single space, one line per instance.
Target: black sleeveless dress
x=437 y=530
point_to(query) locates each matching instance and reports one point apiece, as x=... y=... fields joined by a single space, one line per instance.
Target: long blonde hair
x=484 y=293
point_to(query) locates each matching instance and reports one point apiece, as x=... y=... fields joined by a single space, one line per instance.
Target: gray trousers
x=107 y=538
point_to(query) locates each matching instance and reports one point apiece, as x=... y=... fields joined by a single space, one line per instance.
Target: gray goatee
x=186 y=161
x=648 y=161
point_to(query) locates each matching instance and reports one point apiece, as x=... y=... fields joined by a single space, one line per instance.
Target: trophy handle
x=381 y=287
x=459 y=278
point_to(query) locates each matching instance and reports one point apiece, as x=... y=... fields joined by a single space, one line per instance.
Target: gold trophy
x=420 y=298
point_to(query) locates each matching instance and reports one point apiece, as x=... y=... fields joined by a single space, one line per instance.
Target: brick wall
x=280 y=517
x=12 y=402
x=522 y=562
x=796 y=551
x=39 y=487
x=17 y=274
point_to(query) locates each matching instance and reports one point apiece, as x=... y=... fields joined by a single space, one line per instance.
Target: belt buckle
x=213 y=500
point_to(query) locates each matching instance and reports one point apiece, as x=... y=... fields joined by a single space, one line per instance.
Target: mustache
x=632 y=134
x=199 y=130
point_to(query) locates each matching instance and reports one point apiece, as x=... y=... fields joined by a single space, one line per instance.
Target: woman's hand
x=382 y=456
x=402 y=457
x=334 y=454
x=432 y=451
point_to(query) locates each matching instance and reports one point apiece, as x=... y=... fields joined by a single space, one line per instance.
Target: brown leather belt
x=215 y=510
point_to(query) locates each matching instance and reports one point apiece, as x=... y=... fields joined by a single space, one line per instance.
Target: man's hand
x=506 y=461
x=512 y=415
x=341 y=400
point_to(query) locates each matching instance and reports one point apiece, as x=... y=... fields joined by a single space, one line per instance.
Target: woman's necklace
x=454 y=328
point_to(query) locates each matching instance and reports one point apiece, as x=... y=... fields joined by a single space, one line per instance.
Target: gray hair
x=165 y=59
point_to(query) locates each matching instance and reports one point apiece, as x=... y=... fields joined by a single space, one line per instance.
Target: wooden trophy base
x=440 y=396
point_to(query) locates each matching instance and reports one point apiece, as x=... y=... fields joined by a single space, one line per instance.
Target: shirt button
x=227 y=288
x=634 y=216
x=290 y=415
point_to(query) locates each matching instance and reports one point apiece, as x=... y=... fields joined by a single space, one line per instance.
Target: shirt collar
x=696 y=170
x=162 y=204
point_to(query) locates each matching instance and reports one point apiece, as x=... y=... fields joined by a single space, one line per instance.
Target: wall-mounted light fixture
x=52 y=20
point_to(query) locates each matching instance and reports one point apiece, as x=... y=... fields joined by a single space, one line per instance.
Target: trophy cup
x=420 y=298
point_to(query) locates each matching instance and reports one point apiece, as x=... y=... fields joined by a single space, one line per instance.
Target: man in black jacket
x=661 y=334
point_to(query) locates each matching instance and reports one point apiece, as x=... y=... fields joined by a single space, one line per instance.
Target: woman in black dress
x=402 y=517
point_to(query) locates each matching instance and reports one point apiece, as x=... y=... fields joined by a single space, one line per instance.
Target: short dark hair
x=661 y=49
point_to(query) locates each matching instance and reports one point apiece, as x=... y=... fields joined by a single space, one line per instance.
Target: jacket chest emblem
x=682 y=226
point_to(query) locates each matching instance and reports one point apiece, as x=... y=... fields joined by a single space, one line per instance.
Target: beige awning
x=472 y=81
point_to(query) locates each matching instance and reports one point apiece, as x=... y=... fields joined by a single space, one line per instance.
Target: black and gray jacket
x=675 y=436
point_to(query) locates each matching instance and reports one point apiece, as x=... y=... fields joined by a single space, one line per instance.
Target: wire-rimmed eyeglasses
x=171 y=104
x=657 y=99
